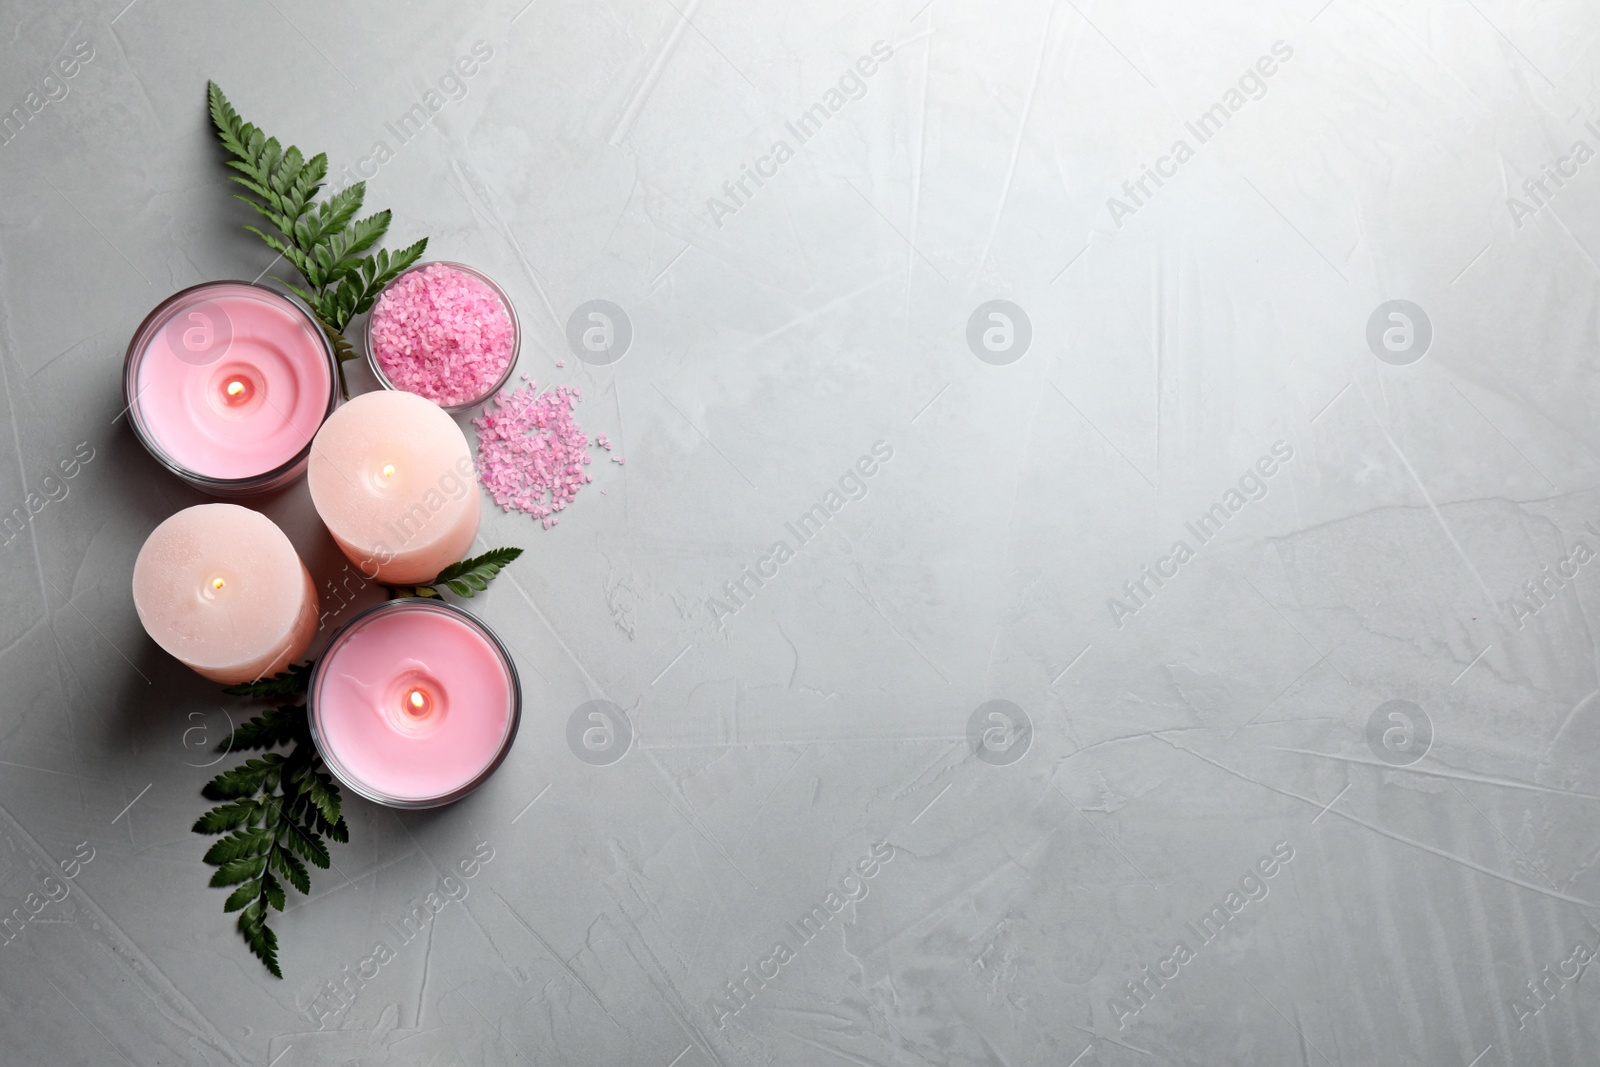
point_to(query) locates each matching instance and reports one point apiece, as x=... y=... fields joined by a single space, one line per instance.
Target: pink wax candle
x=221 y=588
x=414 y=704
x=392 y=478
x=227 y=383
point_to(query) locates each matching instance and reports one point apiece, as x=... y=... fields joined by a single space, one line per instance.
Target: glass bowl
x=505 y=301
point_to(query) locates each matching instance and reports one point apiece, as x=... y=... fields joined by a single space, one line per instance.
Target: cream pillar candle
x=221 y=588
x=392 y=477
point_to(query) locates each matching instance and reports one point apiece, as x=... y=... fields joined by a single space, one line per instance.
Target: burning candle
x=414 y=704
x=226 y=384
x=392 y=477
x=221 y=588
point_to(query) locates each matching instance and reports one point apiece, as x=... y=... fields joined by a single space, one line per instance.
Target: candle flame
x=418 y=703
x=216 y=583
x=235 y=388
x=388 y=471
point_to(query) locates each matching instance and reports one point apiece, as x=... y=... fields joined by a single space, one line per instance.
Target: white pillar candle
x=392 y=477
x=221 y=588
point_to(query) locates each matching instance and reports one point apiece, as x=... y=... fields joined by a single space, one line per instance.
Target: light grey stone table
x=1204 y=674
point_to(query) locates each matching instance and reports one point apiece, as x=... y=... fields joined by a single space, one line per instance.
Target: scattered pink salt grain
x=442 y=333
x=531 y=453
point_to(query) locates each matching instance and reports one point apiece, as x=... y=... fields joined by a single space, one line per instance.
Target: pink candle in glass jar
x=414 y=704
x=227 y=384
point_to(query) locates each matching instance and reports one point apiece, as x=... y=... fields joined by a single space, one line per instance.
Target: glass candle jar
x=227 y=384
x=414 y=704
x=444 y=331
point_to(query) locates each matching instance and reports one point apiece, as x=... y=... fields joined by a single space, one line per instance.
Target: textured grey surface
x=1176 y=741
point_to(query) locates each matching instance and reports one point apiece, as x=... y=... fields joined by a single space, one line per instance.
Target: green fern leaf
x=272 y=892
x=243 y=895
x=239 y=845
x=247 y=779
x=471 y=576
x=226 y=817
x=262 y=941
x=291 y=868
x=235 y=871
x=301 y=841
x=323 y=239
x=277 y=726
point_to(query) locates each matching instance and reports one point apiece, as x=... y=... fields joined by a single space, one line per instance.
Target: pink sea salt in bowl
x=446 y=332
